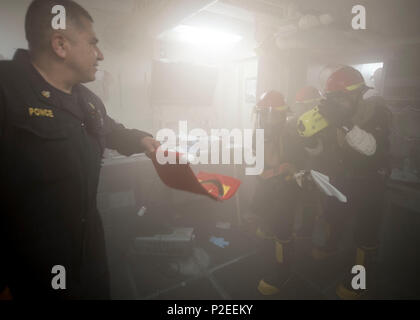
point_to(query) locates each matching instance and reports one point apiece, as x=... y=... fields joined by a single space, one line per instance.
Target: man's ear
x=59 y=44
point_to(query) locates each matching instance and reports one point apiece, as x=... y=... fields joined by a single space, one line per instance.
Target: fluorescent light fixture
x=205 y=36
x=368 y=69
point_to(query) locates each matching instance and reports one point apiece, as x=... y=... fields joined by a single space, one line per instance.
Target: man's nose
x=100 y=56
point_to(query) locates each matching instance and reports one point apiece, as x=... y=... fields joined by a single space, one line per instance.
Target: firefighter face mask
x=344 y=102
x=271 y=120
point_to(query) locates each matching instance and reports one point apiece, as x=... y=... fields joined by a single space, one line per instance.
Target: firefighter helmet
x=345 y=79
x=272 y=99
x=308 y=94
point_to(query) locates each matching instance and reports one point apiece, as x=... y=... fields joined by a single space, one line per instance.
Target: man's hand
x=304 y=180
x=150 y=145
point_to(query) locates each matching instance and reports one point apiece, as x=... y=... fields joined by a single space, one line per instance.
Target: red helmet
x=273 y=99
x=308 y=94
x=345 y=79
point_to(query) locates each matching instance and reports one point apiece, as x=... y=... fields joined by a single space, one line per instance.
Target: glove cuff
x=347 y=125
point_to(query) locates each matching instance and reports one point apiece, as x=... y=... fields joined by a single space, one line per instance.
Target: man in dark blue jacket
x=53 y=132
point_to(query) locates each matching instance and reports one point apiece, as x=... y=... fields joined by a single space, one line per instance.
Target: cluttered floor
x=233 y=272
x=220 y=261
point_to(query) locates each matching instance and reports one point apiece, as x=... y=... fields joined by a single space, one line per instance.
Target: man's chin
x=88 y=79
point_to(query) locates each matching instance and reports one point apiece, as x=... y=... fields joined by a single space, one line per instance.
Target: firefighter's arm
x=359 y=139
x=368 y=140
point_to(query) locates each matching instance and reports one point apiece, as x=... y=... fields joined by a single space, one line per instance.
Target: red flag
x=181 y=177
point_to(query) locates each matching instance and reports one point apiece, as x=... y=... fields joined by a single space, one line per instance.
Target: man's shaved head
x=38 y=20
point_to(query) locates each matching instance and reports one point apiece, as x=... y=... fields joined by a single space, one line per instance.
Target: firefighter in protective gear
x=270 y=114
x=307 y=98
x=353 y=151
x=277 y=194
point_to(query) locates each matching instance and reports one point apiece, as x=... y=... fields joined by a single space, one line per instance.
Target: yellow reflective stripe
x=361 y=254
x=346 y=294
x=280 y=108
x=279 y=250
x=263 y=235
x=267 y=289
x=309 y=101
x=360 y=257
x=354 y=86
x=283 y=241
